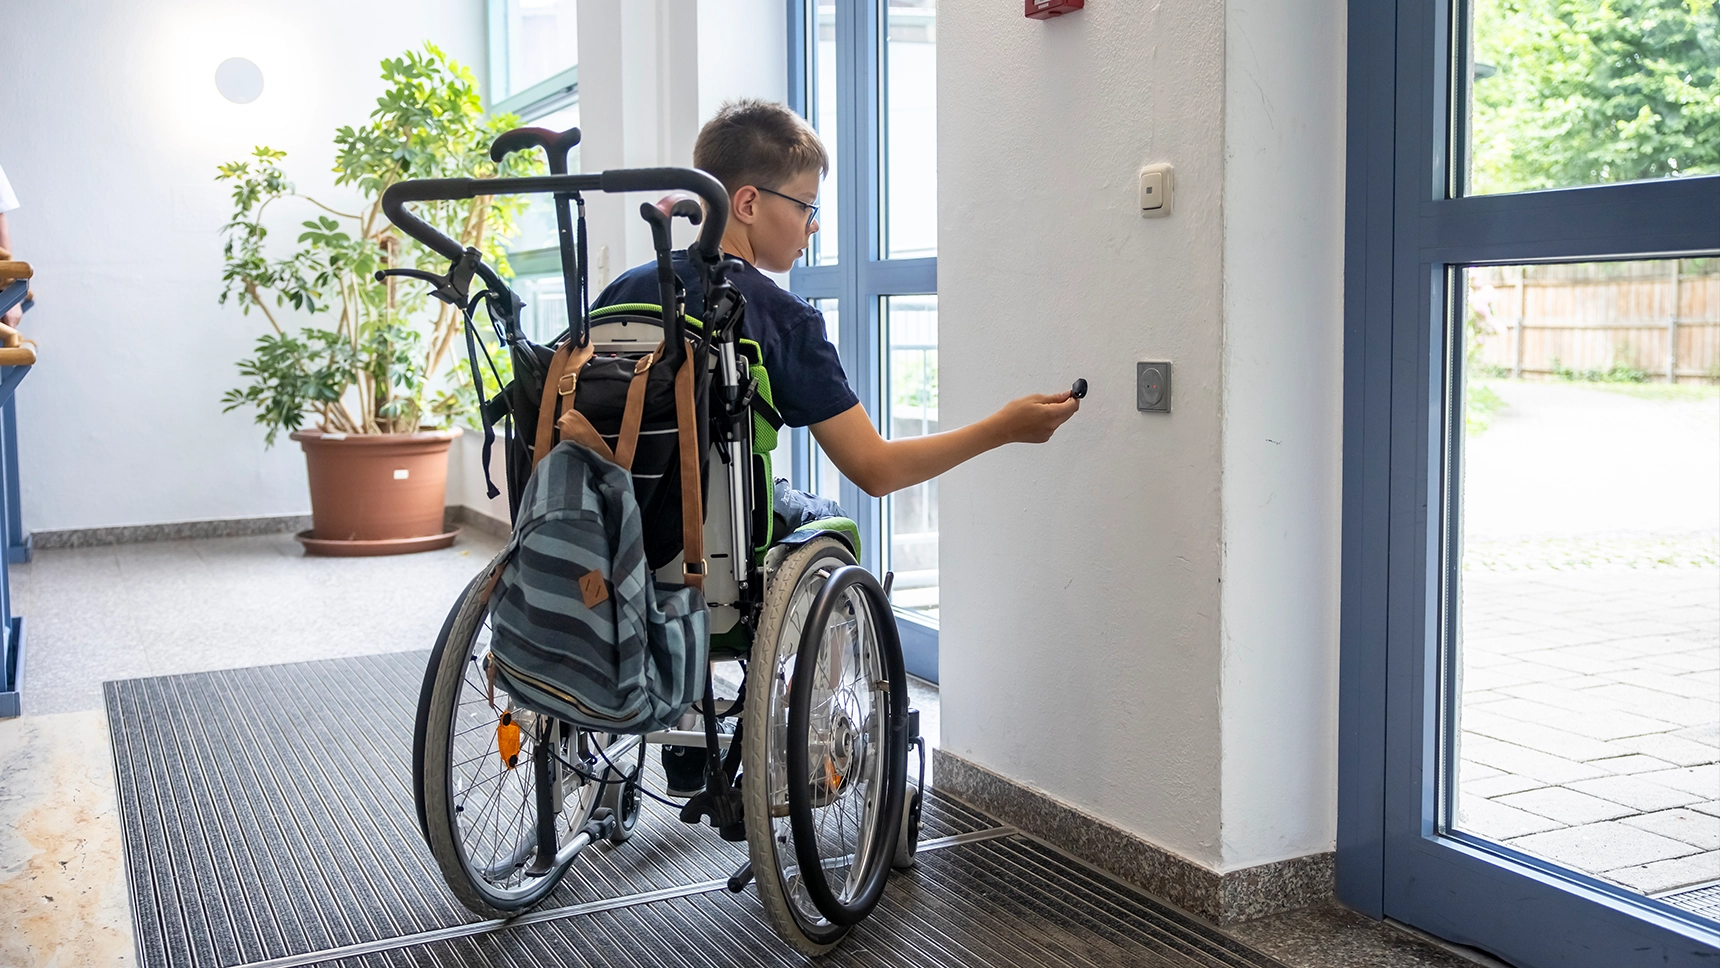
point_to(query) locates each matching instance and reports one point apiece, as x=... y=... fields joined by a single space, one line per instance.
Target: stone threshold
x=454 y=515
x=1224 y=899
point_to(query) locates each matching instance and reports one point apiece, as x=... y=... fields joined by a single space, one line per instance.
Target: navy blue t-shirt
x=806 y=377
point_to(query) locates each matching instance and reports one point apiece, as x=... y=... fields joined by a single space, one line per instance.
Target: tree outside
x=1581 y=92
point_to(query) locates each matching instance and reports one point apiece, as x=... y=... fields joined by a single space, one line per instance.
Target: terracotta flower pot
x=376 y=494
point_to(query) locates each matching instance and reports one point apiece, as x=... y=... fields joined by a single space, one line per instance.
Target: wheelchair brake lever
x=442 y=287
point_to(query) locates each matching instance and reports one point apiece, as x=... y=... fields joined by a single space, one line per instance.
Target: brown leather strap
x=634 y=414
x=692 y=496
x=574 y=426
x=561 y=381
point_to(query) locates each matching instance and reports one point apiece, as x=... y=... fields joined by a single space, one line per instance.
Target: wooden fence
x=1661 y=318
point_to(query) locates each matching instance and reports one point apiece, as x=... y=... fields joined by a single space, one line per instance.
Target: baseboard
x=475 y=520
x=233 y=528
x=1237 y=896
x=171 y=531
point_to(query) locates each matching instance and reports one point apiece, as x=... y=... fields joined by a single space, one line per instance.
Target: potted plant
x=380 y=381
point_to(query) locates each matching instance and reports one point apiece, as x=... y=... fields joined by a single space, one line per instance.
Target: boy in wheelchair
x=770 y=162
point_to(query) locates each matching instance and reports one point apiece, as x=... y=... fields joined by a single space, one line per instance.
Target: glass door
x=865 y=75
x=1531 y=656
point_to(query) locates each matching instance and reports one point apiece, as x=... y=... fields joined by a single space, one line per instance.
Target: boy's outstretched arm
x=880 y=466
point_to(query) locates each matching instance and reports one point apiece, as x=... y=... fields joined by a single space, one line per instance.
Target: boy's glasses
x=811 y=210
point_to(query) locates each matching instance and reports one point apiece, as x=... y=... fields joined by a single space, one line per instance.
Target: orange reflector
x=508 y=740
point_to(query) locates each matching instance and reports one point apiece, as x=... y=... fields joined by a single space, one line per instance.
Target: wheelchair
x=813 y=773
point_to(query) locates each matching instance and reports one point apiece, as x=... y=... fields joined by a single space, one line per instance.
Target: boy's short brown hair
x=758 y=143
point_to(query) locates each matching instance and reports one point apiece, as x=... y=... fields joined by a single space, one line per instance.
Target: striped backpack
x=580 y=628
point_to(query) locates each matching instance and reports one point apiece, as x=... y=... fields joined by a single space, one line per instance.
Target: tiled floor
x=1591 y=720
x=1590 y=662
x=104 y=613
x=184 y=606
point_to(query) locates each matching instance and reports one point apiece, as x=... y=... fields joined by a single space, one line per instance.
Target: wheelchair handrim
x=868 y=852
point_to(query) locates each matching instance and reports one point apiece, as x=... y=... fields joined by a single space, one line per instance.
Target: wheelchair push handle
x=556 y=145
x=615 y=181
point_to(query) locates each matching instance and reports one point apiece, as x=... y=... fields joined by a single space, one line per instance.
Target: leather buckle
x=565 y=386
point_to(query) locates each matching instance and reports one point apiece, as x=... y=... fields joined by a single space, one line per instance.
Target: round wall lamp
x=239 y=80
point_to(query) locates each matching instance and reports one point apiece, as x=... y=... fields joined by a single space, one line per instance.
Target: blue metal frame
x=859 y=280
x=11 y=526
x=1405 y=239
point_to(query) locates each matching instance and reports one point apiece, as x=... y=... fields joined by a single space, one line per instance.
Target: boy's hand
x=1034 y=418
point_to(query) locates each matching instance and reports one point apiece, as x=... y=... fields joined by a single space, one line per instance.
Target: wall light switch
x=1153 y=387
x=1156 y=188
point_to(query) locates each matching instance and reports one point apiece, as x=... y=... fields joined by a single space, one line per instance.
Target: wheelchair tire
x=790 y=899
x=622 y=796
x=480 y=811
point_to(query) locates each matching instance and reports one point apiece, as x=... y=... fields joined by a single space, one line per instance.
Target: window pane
x=826 y=479
x=537 y=229
x=1579 y=92
x=821 y=103
x=541 y=40
x=911 y=129
x=911 y=392
x=1585 y=625
x=545 y=312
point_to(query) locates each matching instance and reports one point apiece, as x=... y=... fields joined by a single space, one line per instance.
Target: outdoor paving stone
x=1632 y=763
x=1536 y=736
x=1498 y=785
x=1496 y=821
x=1696 y=829
x=1558 y=696
x=1657 y=644
x=1521 y=760
x=1703 y=780
x=1569 y=807
x=1609 y=724
x=1690 y=685
x=1524 y=709
x=1604 y=846
x=1556 y=663
x=1469 y=770
x=1665 y=876
x=1496 y=676
x=1634 y=791
x=1671 y=748
x=1695 y=660
x=1707 y=732
x=1709 y=807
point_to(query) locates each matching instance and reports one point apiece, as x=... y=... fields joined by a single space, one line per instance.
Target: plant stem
x=325 y=208
x=257 y=297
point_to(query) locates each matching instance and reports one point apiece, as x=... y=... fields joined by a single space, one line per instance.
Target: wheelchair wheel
x=485 y=768
x=824 y=749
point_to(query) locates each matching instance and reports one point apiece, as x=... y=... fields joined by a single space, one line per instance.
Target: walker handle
x=555 y=145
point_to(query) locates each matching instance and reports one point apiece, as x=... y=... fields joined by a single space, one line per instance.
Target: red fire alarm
x=1047 y=9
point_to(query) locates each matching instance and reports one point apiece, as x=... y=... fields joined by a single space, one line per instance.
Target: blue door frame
x=1404 y=235
x=860 y=279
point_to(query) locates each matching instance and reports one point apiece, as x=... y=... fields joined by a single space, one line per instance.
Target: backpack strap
x=575 y=426
x=634 y=413
x=560 y=381
x=692 y=503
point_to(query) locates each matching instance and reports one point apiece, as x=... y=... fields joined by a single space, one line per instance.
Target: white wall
x=1283 y=404
x=1080 y=649
x=114 y=129
x=1140 y=616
